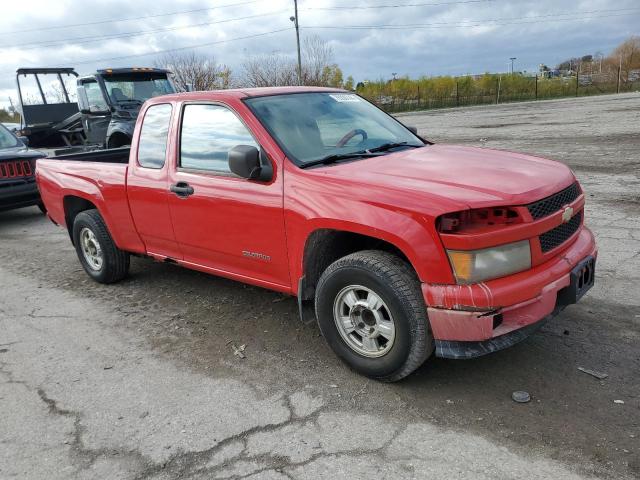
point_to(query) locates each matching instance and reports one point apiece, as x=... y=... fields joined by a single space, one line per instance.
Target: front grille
x=560 y=234
x=15 y=169
x=555 y=202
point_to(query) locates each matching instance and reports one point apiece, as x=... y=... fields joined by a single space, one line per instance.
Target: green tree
x=332 y=76
x=6 y=116
x=348 y=85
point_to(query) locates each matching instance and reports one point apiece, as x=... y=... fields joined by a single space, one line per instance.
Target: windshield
x=7 y=139
x=136 y=88
x=313 y=126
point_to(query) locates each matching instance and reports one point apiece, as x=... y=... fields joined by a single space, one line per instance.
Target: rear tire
x=42 y=208
x=371 y=312
x=100 y=257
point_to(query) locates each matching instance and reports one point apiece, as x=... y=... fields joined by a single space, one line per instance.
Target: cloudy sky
x=371 y=38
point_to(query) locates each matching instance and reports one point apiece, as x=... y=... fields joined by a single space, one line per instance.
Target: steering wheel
x=358 y=131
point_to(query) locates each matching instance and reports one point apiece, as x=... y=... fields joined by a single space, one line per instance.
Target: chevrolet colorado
x=398 y=247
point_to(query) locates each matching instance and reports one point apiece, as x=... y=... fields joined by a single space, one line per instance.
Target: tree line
x=276 y=69
x=592 y=73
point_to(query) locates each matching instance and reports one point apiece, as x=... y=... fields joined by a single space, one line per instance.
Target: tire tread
x=116 y=261
x=402 y=279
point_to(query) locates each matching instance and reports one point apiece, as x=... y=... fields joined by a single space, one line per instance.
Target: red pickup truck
x=398 y=247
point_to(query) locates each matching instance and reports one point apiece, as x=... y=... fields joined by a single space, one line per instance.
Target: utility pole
x=619 y=73
x=295 y=22
x=512 y=60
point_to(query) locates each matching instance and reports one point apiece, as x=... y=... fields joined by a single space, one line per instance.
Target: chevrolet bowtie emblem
x=567 y=214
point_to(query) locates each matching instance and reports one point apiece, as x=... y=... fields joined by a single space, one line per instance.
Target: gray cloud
x=534 y=31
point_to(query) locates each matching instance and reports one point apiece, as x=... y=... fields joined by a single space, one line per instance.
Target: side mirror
x=98 y=110
x=246 y=161
x=24 y=140
x=412 y=129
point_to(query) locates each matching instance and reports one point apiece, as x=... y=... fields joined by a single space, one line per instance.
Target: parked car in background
x=17 y=172
x=12 y=127
x=400 y=248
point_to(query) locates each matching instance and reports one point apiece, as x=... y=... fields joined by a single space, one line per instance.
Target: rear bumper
x=18 y=196
x=472 y=320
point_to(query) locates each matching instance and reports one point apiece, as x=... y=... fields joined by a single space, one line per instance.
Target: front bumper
x=19 y=195
x=473 y=320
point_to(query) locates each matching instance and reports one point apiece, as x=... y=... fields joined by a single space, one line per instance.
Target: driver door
x=228 y=224
x=96 y=121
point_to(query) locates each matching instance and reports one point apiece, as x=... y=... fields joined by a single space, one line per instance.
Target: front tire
x=371 y=312
x=100 y=257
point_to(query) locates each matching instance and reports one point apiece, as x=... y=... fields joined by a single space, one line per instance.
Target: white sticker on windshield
x=345 y=97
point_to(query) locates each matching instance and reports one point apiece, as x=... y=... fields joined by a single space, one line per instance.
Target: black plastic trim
x=569 y=295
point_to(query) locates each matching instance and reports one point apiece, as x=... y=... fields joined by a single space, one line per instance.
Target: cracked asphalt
x=139 y=380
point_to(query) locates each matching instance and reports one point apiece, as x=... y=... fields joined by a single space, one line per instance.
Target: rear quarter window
x=152 y=146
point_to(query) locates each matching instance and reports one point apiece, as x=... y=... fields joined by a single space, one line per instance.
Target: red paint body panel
x=513 y=289
x=523 y=298
x=228 y=216
x=148 y=195
x=396 y=198
x=102 y=184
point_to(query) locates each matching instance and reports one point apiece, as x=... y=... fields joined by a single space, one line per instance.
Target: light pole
x=295 y=22
x=512 y=60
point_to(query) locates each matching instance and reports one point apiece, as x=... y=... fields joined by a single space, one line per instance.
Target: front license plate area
x=582 y=279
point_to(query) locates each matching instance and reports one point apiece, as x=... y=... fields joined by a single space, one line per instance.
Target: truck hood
x=467 y=176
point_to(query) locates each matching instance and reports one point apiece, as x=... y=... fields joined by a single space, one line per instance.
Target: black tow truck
x=108 y=102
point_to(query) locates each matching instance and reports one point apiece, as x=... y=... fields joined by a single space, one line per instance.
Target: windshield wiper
x=336 y=157
x=388 y=146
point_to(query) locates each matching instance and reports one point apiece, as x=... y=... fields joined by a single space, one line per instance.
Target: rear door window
x=152 y=147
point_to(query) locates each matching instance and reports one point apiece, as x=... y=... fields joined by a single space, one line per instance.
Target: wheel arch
x=118 y=138
x=325 y=245
x=73 y=205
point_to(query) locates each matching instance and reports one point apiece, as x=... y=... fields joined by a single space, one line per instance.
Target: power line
x=158 y=52
x=97 y=38
x=479 y=23
x=94 y=38
x=369 y=7
x=99 y=22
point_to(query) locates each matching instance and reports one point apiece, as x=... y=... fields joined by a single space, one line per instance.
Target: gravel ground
x=139 y=379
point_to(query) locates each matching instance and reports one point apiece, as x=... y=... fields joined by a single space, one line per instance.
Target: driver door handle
x=182 y=189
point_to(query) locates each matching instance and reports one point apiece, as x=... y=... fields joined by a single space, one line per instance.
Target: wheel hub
x=91 y=249
x=364 y=321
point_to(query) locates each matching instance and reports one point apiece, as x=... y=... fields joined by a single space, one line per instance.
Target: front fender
x=120 y=127
x=413 y=235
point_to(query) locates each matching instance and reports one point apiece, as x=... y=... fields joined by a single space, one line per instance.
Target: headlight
x=473 y=266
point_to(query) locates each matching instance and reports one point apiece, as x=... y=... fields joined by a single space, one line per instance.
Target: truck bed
x=97 y=178
x=111 y=155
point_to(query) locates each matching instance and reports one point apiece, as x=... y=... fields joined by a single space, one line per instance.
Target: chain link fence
x=402 y=96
